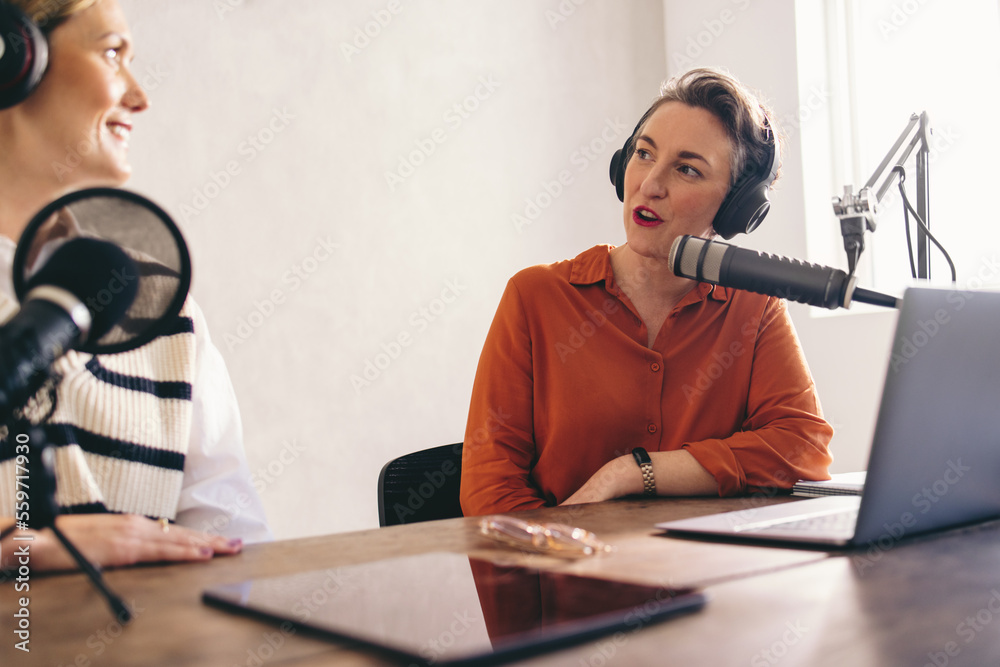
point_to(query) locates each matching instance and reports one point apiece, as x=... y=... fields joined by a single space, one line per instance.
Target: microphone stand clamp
x=857 y=213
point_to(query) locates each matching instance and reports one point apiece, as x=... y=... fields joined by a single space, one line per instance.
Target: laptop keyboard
x=832 y=523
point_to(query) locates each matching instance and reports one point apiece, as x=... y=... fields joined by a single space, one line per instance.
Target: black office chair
x=422 y=486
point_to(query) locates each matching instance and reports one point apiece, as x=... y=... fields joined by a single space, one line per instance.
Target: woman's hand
x=616 y=478
x=109 y=540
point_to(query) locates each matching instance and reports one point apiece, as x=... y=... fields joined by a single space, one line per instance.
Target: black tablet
x=447 y=608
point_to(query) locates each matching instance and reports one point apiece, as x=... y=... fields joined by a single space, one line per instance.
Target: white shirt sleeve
x=218 y=495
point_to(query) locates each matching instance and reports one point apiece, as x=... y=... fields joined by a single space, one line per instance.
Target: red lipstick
x=645 y=217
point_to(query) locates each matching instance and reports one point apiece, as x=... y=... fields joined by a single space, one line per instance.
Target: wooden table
x=933 y=601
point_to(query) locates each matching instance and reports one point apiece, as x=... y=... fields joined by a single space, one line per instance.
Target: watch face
x=641 y=456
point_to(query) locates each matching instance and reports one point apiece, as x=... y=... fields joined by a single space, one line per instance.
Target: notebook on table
x=839 y=484
x=935 y=454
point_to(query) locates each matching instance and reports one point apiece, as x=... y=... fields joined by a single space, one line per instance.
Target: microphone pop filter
x=136 y=270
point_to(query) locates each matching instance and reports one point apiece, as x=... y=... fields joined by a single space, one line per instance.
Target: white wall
x=543 y=89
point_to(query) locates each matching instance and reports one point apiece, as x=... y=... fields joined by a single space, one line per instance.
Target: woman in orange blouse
x=607 y=375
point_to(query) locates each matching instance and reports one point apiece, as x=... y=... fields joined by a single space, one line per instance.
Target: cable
x=909 y=241
x=923 y=227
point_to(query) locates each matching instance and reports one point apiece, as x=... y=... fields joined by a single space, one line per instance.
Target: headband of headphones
x=24 y=55
x=747 y=202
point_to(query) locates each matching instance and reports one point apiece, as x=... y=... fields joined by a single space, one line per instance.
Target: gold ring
x=164 y=524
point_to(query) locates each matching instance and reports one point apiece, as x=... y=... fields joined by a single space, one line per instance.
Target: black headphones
x=745 y=205
x=24 y=55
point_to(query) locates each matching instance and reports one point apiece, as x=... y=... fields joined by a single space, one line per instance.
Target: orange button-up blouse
x=566 y=382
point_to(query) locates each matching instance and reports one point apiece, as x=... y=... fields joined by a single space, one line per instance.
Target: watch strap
x=646 y=466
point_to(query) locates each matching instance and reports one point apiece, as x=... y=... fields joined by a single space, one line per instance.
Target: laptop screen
x=935 y=456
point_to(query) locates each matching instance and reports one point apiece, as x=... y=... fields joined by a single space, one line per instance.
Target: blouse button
x=652 y=428
x=654 y=367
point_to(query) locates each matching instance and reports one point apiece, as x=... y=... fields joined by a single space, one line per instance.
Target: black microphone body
x=773 y=275
x=38 y=335
x=60 y=312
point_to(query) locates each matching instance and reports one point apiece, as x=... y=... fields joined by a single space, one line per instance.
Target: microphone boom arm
x=858 y=212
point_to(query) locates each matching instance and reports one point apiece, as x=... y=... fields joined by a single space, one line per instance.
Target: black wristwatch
x=646 y=465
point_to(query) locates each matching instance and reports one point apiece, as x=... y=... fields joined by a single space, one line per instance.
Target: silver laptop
x=935 y=456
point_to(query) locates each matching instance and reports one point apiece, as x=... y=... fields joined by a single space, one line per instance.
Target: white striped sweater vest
x=121 y=428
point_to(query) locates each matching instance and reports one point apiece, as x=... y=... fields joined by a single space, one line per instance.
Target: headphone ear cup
x=746 y=205
x=618 y=173
x=24 y=55
x=743 y=210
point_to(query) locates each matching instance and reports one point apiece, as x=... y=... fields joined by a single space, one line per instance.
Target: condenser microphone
x=792 y=279
x=83 y=290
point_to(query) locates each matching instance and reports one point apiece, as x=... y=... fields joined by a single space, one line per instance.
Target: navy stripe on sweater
x=61 y=435
x=160 y=389
x=65 y=434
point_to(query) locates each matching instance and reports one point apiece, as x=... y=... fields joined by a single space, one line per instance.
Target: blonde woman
x=149 y=452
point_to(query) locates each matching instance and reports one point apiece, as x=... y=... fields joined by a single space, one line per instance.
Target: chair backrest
x=421 y=486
